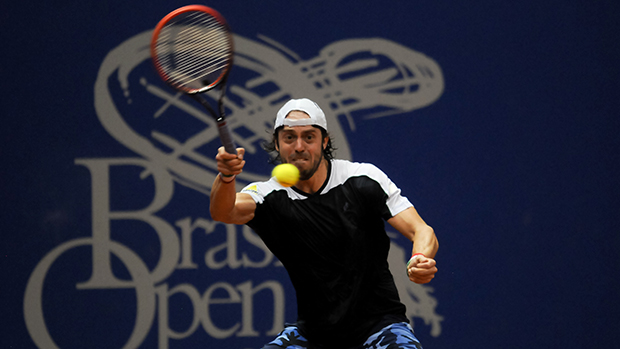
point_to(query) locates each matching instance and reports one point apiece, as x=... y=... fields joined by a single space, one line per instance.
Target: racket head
x=192 y=48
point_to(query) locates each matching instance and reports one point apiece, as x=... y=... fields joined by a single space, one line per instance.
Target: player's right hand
x=230 y=164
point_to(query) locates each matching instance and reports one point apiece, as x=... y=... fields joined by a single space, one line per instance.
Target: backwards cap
x=317 y=117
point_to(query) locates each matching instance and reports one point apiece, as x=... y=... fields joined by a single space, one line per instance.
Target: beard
x=307 y=173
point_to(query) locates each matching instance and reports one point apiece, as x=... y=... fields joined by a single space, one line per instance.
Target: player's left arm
x=422 y=266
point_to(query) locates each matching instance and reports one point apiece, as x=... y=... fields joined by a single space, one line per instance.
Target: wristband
x=412 y=256
x=230 y=178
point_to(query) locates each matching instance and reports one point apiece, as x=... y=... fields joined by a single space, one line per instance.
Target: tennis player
x=328 y=231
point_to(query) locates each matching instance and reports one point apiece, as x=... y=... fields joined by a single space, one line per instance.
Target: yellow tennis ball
x=286 y=174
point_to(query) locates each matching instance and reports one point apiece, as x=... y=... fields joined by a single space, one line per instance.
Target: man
x=328 y=231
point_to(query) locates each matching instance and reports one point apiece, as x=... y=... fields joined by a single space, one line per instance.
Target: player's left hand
x=421 y=269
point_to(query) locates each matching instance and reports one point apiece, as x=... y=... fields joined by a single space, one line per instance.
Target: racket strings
x=194 y=51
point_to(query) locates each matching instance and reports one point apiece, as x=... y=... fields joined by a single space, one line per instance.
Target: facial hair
x=307 y=173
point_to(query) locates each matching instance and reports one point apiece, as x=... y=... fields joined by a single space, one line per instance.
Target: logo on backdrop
x=176 y=142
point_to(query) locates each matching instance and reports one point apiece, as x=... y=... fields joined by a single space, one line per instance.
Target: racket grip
x=226 y=137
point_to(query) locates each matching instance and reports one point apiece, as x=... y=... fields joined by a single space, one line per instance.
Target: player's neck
x=314 y=183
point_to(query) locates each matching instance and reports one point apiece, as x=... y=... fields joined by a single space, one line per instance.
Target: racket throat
x=218 y=117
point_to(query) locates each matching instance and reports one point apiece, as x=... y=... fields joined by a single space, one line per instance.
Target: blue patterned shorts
x=395 y=336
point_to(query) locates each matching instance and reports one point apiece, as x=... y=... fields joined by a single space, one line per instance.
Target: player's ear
x=276 y=144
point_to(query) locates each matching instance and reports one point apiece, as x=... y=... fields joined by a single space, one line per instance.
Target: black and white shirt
x=334 y=247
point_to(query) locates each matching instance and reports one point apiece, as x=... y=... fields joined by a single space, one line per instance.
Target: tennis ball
x=286 y=174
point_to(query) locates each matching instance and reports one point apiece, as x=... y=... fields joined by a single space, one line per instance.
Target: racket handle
x=226 y=137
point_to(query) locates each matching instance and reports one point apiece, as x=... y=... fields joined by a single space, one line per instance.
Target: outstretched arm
x=422 y=266
x=226 y=205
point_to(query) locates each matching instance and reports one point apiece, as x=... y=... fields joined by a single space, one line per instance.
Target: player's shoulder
x=260 y=190
x=368 y=178
x=345 y=169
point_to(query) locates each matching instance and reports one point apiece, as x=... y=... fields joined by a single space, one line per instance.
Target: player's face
x=301 y=146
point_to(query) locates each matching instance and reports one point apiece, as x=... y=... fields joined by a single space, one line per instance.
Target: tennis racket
x=192 y=49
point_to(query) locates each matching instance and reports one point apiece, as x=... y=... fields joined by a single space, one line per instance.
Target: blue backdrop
x=498 y=120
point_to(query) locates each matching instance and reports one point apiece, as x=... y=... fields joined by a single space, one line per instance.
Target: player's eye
x=310 y=137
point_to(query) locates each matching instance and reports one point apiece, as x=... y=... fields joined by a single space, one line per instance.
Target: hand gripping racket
x=192 y=49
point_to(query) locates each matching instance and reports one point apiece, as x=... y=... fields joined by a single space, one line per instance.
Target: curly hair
x=274 y=155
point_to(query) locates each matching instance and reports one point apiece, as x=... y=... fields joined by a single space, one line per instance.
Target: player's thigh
x=289 y=338
x=395 y=336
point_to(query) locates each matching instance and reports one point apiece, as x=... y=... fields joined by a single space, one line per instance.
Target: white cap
x=317 y=117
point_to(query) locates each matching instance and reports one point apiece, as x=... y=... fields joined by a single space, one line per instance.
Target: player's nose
x=299 y=144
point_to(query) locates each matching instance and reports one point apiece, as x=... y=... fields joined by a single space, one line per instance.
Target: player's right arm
x=226 y=204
